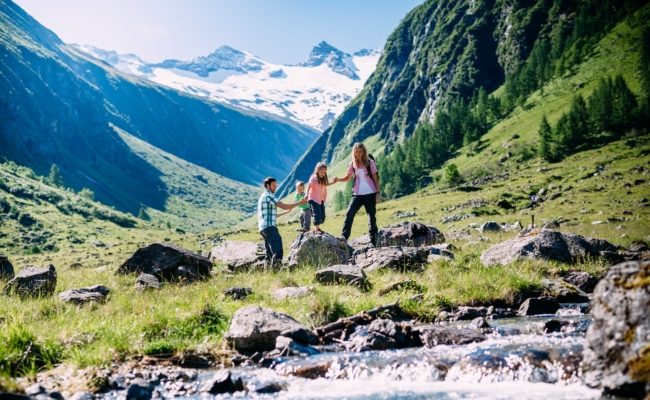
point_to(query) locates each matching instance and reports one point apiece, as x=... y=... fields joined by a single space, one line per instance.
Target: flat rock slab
x=394 y=257
x=237 y=255
x=6 y=268
x=168 y=262
x=318 y=250
x=617 y=353
x=96 y=293
x=33 y=282
x=546 y=245
x=342 y=274
x=292 y=292
x=254 y=329
x=408 y=234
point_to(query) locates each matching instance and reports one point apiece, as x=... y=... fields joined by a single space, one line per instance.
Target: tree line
x=610 y=111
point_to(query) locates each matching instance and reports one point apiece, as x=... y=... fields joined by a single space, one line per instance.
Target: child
x=305 y=210
x=317 y=194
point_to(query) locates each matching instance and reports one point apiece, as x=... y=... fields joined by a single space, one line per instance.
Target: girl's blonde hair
x=364 y=158
x=324 y=180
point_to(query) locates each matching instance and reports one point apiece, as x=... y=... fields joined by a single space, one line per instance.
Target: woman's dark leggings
x=369 y=202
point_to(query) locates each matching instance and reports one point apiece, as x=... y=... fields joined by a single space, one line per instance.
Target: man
x=266 y=220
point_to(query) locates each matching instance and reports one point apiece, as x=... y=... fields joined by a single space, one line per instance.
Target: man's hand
x=378 y=197
x=302 y=202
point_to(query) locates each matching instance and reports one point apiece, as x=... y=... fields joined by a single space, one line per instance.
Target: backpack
x=370 y=156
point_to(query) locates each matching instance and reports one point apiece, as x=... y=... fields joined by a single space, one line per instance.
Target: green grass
x=180 y=318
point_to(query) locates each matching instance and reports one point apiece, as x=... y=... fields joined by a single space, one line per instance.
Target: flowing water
x=518 y=361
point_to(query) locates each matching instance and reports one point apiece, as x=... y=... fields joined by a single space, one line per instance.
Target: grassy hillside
x=198 y=198
x=602 y=193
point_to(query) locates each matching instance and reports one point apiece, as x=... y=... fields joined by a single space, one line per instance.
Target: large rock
x=546 y=245
x=238 y=255
x=168 y=262
x=410 y=234
x=617 y=355
x=318 y=250
x=33 y=282
x=6 y=269
x=537 y=306
x=97 y=293
x=563 y=291
x=582 y=280
x=432 y=335
x=254 y=329
x=342 y=274
x=394 y=257
x=147 y=282
x=490 y=226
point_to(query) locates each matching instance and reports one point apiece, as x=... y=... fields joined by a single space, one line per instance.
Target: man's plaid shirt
x=266 y=210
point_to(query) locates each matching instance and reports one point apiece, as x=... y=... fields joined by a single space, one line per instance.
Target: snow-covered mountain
x=312 y=93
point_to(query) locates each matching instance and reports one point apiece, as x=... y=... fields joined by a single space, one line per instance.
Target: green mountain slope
x=445 y=51
x=57 y=106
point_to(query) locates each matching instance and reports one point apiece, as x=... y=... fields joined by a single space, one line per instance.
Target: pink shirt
x=369 y=180
x=316 y=191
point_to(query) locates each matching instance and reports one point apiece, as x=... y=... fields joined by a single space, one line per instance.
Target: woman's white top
x=364 y=187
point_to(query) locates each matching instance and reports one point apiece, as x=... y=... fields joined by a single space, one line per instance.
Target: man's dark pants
x=273 y=246
x=369 y=202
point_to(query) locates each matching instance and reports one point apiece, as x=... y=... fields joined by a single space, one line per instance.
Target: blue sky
x=280 y=31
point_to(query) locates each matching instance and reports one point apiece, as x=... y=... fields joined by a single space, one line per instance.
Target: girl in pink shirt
x=317 y=193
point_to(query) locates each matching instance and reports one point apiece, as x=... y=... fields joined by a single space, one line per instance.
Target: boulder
x=97 y=293
x=238 y=255
x=167 y=262
x=564 y=292
x=343 y=274
x=238 y=293
x=292 y=292
x=490 y=226
x=383 y=334
x=433 y=335
x=6 y=269
x=479 y=323
x=147 y=281
x=254 y=329
x=546 y=245
x=437 y=254
x=33 y=282
x=318 y=250
x=394 y=257
x=582 y=280
x=140 y=389
x=410 y=234
x=465 y=313
x=617 y=353
x=537 y=306
x=222 y=382
x=301 y=335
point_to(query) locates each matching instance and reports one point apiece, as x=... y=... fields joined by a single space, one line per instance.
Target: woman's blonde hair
x=364 y=158
x=324 y=180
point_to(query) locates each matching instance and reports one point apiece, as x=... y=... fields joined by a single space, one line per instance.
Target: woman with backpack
x=365 y=192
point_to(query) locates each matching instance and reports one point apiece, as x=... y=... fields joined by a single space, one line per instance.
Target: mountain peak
x=338 y=61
